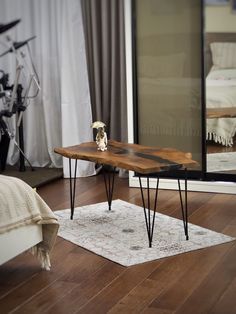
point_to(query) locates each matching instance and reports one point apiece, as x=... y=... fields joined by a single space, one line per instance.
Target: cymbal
x=17 y=45
x=5 y=27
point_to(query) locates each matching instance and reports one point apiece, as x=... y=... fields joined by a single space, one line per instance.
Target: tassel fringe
x=42 y=256
x=220 y=139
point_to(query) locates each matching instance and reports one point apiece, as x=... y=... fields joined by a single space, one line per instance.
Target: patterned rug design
x=120 y=234
x=221 y=162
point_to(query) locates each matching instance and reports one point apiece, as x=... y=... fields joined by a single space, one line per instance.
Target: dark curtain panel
x=105 y=45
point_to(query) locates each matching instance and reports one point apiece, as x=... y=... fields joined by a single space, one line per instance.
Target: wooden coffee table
x=143 y=160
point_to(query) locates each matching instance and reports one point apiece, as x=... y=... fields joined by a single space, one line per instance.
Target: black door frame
x=192 y=174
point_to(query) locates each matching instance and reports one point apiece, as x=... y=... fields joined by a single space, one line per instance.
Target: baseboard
x=193 y=185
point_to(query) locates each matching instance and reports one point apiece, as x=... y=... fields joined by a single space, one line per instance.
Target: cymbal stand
x=19 y=102
x=24 y=106
x=31 y=67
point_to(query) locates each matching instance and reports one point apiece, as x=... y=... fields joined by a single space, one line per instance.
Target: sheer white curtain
x=76 y=106
x=61 y=113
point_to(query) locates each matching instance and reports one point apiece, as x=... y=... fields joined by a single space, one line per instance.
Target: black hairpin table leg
x=109 y=178
x=184 y=207
x=72 y=188
x=150 y=221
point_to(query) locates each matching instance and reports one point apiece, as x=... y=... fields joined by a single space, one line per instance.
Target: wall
x=214 y=14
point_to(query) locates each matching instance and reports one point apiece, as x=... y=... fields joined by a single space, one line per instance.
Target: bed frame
x=18 y=240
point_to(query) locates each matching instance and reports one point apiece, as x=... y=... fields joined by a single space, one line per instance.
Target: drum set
x=14 y=98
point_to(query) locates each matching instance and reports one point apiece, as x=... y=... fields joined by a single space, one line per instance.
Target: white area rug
x=120 y=234
x=221 y=162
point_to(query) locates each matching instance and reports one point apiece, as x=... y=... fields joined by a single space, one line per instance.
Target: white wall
x=220 y=19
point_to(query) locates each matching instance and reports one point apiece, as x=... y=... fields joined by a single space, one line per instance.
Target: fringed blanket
x=220 y=93
x=20 y=205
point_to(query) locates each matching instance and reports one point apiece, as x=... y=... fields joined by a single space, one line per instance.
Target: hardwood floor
x=213 y=147
x=202 y=281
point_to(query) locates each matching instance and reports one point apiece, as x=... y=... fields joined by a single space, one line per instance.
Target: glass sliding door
x=220 y=82
x=168 y=68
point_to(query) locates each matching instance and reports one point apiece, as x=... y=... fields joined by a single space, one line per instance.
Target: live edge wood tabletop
x=144 y=160
x=135 y=157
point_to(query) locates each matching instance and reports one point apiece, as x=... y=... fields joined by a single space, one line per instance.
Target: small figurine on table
x=101 y=137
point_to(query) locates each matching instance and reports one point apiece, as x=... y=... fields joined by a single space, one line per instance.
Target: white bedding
x=220 y=93
x=20 y=206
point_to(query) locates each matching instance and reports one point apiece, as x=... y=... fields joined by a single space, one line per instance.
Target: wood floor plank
x=43 y=279
x=118 y=288
x=183 y=286
x=155 y=311
x=169 y=288
x=41 y=301
x=213 y=287
x=152 y=286
x=77 y=274
x=86 y=289
x=20 y=269
x=201 y=281
x=195 y=201
x=226 y=303
x=208 y=215
x=10 y=276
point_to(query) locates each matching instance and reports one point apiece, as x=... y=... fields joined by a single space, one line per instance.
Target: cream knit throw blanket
x=221 y=93
x=20 y=205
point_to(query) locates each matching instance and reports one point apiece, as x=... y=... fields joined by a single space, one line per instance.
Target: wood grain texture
x=227 y=112
x=201 y=281
x=138 y=158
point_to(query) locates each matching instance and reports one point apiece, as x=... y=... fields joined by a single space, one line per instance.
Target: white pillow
x=223 y=55
x=161 y=66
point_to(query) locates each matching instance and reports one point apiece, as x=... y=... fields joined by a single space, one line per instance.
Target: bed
x=26 y=222
x=221 y=87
